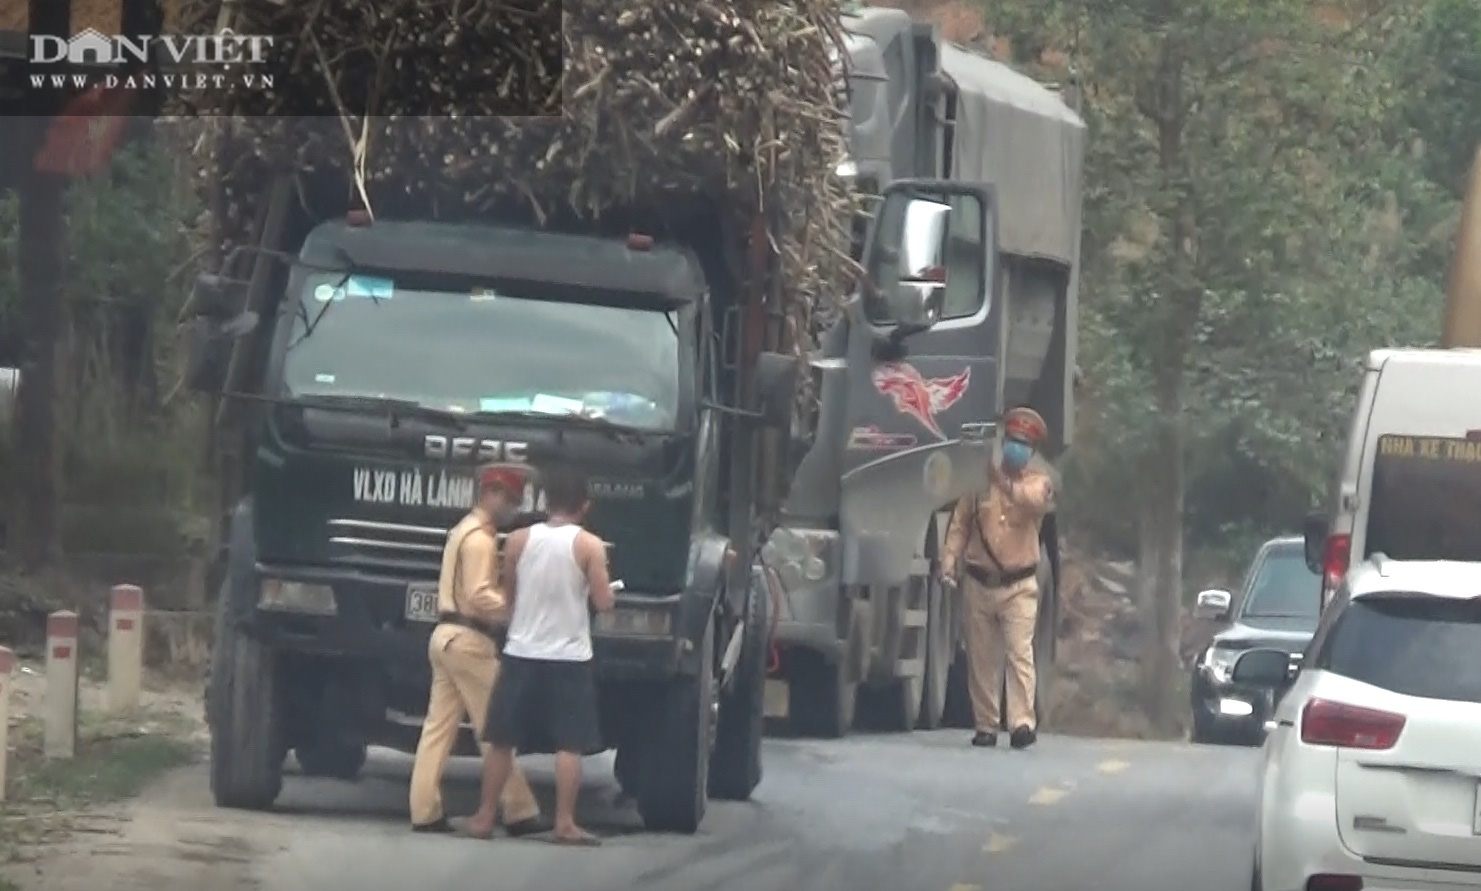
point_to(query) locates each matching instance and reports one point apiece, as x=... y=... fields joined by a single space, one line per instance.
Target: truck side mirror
x=217 y=297
x=1314 y=531
x=775 y=379
x=919 y=296
x=930 y=235
x=209 y=349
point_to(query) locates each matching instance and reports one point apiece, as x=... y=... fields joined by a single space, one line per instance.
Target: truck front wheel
x=246 y=721
x=676 y=761
x=735 y=766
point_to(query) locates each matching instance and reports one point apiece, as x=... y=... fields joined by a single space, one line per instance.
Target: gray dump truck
x=909 y=412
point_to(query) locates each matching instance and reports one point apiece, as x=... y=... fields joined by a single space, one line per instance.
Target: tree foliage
x=1251 y=234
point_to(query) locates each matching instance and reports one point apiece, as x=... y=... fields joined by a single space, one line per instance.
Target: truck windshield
x=1426 y=501
x=483 y=351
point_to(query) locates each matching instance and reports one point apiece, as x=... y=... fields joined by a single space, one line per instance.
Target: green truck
x=365 y=367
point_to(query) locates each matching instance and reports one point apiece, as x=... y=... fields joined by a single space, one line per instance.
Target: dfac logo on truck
x=920 y=397
x=466 y=448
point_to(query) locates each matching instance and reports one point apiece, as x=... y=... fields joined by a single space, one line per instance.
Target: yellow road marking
x=997 y=844
x=1112 y=766
x=1048 y=795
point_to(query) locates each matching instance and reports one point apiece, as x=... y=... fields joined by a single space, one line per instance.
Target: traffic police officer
x=993 y=542
x=465 y=655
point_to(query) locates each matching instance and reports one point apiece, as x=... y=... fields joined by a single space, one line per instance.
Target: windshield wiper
x=578 y=420
x=395 y=409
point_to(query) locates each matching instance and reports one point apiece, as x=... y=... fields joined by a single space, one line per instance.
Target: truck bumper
x=369 y=623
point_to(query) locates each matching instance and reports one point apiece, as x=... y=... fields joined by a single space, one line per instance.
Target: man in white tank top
x=546 y=693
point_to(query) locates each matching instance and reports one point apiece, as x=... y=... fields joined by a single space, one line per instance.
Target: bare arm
x=592 y=555
x=514 y=545
x=956 y=535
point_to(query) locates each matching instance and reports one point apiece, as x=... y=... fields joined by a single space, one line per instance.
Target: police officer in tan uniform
x=992 y=551
x=465 y=656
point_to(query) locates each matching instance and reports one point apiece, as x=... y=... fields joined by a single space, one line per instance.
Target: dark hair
x=565 y=490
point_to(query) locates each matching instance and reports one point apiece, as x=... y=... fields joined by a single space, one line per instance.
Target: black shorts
x=544 y=705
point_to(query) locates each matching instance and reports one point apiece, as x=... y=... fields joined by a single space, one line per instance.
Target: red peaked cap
x=1025 y=425
x=510 y=478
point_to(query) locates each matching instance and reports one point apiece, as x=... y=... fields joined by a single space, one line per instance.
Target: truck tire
x=938 y=655
x=735 y=765
x=676 y=761
x=822 y=697
x=335 y=760
x=246 y=720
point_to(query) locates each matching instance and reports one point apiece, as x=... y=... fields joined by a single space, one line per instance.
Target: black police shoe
x=1022 y=737
x=985 y=740
x=439 y=825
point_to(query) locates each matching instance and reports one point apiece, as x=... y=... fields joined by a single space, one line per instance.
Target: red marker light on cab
x=358 y=218
x=637 y=241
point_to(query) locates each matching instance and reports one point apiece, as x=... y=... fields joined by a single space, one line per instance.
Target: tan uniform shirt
x=1009 y=515
x=469 y=581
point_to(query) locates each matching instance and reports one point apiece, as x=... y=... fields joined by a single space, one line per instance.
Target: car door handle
x=1270 y=726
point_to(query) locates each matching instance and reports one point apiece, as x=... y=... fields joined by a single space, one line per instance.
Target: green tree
x=1237 y=263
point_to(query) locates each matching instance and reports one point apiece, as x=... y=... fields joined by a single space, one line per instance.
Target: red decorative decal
x=919 y=397
x=873 y=439
x=61 y=652
x=124 y=624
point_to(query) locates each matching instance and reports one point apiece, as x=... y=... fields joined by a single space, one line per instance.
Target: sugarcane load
x=619 y=292
x=660 y=104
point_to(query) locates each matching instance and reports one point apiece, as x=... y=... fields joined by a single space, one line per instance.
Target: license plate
x=421 y=602
x=1476 y=816
x=777 y=699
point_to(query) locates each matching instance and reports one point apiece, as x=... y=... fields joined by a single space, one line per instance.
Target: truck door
x=924 y=387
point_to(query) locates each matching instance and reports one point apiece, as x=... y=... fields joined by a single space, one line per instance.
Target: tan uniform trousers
x=1000 y=621
x=465 y=665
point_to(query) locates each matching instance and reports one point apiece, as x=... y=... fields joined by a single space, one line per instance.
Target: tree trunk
x=1163 y=541
x=42 y=250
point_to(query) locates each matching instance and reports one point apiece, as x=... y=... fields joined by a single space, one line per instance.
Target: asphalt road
x=921 y=812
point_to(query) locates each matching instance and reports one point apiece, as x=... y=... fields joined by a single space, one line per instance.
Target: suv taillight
x=1328 y=723
x=1335 y=556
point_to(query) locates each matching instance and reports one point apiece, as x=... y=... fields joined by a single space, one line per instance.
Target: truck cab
x=909 y=412
x=379 y=362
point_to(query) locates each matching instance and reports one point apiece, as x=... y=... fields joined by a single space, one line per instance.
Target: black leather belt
x=1000 y=579
x=491 y=632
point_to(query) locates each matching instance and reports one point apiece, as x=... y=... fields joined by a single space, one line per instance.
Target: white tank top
x=550 y=620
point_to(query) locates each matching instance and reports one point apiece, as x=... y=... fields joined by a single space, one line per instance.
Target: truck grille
x=395 y=547
x=381 y=547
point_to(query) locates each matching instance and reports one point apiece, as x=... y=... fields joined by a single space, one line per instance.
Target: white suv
x=1372 y=763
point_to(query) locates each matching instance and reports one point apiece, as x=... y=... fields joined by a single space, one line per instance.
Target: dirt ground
x=59 y=810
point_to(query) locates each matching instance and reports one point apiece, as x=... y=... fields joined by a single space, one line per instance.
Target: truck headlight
x=814 y=569
x=846 y=169
x=635 y=620
x=282 y=596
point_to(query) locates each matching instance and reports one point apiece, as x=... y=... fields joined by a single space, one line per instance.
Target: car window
x=1410 y=644
x=1425 y=495
x=1283 y=586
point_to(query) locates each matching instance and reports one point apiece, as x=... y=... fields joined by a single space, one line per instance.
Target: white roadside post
x=7 y=673
x=125 y=647
x=60 y=723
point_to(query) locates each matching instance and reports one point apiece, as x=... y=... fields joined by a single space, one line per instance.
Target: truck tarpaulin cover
x=1028 y=143
x=664 y=101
